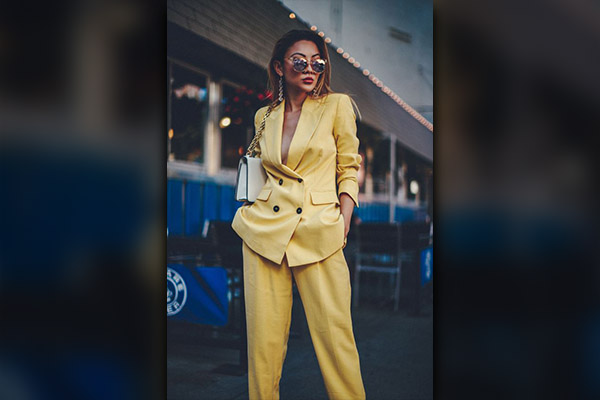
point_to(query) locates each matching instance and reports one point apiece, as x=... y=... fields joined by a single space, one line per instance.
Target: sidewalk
x=396 y=353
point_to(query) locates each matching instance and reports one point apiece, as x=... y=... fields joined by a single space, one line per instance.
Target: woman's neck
x=294 y=101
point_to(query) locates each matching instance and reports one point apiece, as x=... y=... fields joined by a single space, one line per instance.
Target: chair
x=384 y=248
x=227 y=243
x=378 y=251
x=220 y=247
x=190 y=250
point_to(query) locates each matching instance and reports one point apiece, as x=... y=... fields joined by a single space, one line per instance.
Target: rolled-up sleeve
x=348 y=159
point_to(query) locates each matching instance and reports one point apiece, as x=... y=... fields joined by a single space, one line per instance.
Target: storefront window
x=374 y=149
x=236 y=120
x=188 y=114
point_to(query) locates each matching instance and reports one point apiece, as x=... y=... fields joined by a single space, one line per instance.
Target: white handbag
x=251 y=175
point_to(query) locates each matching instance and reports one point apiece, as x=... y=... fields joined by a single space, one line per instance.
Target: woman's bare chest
x=290 y=122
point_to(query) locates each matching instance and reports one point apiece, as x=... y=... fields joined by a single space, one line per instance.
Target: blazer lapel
x=307 y=125
x=311 y=113
x=273 y=130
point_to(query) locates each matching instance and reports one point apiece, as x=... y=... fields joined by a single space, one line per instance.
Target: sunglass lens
x=300 y=64
x=318 y=66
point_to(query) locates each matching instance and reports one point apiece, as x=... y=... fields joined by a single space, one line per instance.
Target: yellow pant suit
x=295 y=227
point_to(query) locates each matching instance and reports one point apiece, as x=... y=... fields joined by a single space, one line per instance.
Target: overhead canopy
x=250 y=29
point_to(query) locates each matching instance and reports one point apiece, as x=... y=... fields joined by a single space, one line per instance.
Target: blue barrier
x=426 y=265
x=193 y=211
x=227 y=209
x=209 y=201
x=174 y=207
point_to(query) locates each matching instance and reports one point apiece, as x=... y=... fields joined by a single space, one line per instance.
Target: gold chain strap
x=252 y=148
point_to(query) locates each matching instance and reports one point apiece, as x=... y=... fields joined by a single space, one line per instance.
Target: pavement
x=395 y=348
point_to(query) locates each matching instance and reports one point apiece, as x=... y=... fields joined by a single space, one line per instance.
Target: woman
x=299 y=223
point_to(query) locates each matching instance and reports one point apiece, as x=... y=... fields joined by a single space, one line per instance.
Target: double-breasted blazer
x=297 y=212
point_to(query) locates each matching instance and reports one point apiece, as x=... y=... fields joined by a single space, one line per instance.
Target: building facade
x=217 y=54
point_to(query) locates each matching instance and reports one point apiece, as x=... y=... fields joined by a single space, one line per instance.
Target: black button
x=299 y=210
x=276 y=208
x=281 y=181
x=300 y=180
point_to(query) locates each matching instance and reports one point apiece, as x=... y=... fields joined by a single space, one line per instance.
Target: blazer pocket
x=324 y=197
x=264 y=195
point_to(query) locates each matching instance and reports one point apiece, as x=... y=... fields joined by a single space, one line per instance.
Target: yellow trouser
x=324 y=288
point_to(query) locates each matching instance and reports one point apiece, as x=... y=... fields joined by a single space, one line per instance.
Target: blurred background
x=217 y=58
x=82 y=205
x=517 y=315
x=84 y=138
x=217 y=80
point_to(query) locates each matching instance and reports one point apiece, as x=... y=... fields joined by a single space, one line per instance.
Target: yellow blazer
x=297 y=211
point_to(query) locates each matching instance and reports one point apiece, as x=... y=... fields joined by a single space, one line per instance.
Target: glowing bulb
x=292 y=15
x=321 y=34
x=366 y=72
x=313 y=28
x=340 y=50
x=225 y=122
x=171 y=133
x=351 y=60
x=414 y=187
x=345 y=55
x=356 y=64
x=327 y=40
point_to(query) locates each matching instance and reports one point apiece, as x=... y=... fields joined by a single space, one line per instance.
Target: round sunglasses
x=300 y=64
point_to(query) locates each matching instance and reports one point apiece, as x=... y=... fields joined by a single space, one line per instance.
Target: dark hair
x=283 y=44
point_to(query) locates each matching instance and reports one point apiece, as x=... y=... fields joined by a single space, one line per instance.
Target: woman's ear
x=277 y=66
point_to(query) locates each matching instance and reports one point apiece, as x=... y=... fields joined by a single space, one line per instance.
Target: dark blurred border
x=517 y=299
x=83 y=200
x=82 y=111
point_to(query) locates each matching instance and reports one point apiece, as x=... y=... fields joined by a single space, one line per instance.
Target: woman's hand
x=347 y=208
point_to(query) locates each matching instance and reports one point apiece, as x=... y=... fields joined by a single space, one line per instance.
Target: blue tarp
x=197 y=294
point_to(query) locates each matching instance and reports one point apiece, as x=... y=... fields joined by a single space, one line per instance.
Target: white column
x=368 y=174
x=392 y=189
x=212 y=132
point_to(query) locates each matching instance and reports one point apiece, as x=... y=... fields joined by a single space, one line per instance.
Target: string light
x=374 y=79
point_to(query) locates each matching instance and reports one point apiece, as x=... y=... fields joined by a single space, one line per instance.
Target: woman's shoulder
x=262 y=110
x=344 y=104
x=335 y=98
x=260 y=113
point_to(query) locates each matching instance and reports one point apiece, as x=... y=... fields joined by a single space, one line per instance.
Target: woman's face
x=306 y=80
